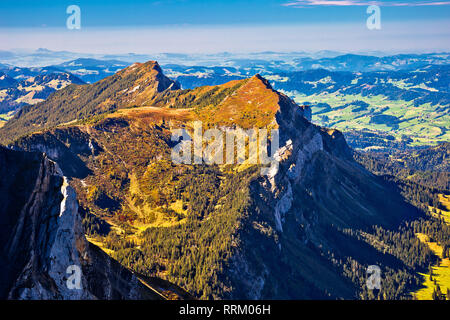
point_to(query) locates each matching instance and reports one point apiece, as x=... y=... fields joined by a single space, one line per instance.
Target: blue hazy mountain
x=92 y=70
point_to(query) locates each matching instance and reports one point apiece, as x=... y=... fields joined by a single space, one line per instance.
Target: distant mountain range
x=22 y=86
x=44 y=57
x=411 y=103
x=287 y=61
x=405 y=96
x=92 y=70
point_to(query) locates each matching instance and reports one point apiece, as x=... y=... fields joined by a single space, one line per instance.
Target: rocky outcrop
x=44 y=253
x=315 y=187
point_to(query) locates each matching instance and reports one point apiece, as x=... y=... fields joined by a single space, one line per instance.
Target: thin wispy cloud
x=348 y=3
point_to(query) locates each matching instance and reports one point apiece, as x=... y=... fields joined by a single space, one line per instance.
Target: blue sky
x=225 y=25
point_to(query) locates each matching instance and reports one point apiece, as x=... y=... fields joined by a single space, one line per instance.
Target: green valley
x=401 y=118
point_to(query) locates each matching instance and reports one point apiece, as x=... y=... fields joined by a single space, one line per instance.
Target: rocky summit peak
x=145 y=75
x=258 y=78
x=139 y=67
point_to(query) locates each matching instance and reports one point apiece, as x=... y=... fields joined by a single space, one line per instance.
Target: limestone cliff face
x=315 y=191
x=43 y=247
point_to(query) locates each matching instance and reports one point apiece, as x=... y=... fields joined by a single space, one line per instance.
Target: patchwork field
x=396 y=117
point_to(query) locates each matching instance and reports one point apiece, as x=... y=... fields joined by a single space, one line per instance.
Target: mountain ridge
x=80 y=101
x=42 y=237
x=226 y=231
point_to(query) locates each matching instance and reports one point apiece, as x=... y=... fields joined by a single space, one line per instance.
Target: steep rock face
x=299 y=211
x=42 y=241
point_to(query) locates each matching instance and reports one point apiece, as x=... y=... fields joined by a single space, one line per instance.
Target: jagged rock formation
x=41 y=237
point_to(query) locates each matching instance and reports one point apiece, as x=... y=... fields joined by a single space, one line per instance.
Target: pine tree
x=438 y=292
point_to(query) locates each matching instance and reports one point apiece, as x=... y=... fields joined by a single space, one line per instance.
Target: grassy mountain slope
x=75 y=102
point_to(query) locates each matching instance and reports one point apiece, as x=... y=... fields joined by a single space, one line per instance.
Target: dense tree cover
x=431 y=159
x=418 y=195
x=435 y=158
x=436 y=230
x=92 y=225
x=420 y=188
x=429 y=167
x=404 y=245
x=401 y=256
x=193 y=254
x=362 y=139
x=398 y=278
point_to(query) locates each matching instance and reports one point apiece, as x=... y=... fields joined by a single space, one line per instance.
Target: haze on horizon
x=195 y=26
